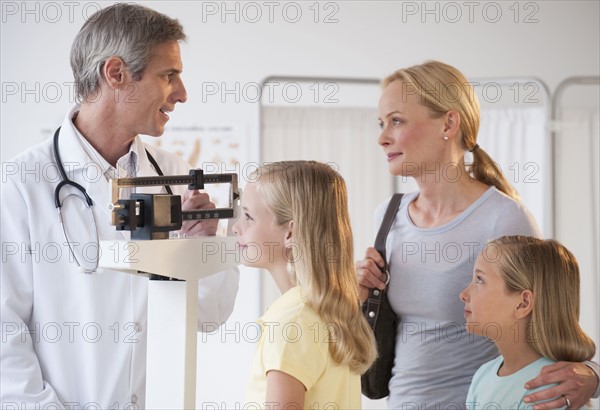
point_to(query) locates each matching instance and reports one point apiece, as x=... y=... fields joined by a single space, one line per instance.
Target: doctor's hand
x=369 y=274
x=193 y=200
x=576 y=382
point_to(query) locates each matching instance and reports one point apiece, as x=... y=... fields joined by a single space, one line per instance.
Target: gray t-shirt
x=435 y=356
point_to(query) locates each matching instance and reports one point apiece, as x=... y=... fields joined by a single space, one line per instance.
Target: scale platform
x=184 y=259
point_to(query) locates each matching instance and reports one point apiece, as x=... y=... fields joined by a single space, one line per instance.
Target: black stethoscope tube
x=65 y=178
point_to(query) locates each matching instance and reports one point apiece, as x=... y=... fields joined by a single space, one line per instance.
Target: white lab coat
x=69 y=339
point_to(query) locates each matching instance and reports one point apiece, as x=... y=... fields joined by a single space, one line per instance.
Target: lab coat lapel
x=89 y=174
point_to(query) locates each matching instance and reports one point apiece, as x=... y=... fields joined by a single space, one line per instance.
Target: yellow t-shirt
x=295 y=340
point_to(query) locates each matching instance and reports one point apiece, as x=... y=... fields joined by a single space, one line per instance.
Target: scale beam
x=153 y=216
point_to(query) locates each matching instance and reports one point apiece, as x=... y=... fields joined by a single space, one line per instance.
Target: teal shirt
x=489 y=391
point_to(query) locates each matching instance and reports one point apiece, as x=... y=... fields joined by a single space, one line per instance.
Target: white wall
x=551 y=40
x=369 y=39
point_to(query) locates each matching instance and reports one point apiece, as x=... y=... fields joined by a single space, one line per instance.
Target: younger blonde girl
x=525 y=297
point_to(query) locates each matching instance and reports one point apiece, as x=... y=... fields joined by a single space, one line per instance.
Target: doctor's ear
x=114 y=72
x=288 y=239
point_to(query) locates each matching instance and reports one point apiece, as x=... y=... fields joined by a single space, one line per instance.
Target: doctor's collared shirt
x=127 y=166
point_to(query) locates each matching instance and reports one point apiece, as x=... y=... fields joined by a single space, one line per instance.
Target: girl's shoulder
x=290 y=309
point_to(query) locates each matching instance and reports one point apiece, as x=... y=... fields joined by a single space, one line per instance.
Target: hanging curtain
x=577 y=203
x=517 y=140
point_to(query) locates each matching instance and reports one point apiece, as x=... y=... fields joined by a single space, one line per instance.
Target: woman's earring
x=445 y=137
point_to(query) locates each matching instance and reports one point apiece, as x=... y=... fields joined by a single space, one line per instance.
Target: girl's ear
x=525 y=305
x=288 y=238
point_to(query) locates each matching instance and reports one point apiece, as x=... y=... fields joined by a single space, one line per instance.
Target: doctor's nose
x=179 y=94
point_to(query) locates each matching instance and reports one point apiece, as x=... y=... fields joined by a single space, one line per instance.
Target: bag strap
x=375 y=295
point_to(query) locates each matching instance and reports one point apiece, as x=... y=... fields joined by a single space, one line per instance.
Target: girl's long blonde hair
x=442 y=88
x=550 y=271
x=313 y=196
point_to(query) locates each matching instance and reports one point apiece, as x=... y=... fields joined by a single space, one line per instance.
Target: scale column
x=172 y=344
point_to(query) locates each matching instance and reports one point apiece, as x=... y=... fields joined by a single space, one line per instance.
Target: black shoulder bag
x=381 y=318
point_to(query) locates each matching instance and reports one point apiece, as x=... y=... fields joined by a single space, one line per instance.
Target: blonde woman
x=315 y=342
x=429 y=118
x=524 y=296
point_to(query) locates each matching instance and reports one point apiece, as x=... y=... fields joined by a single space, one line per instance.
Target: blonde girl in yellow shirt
x=315 y=342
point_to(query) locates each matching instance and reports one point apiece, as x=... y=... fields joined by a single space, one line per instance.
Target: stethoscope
x=88 y=201
x=65 y=178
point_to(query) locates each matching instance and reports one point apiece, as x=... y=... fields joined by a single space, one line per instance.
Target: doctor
x=70 y=339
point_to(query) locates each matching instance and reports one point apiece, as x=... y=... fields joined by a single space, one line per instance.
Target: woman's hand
x=576 y=382
x=369 y=274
